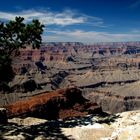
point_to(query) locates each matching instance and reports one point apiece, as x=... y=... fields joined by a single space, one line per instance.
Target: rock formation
x=117 y=98
x=3 y=116
x=64 y=103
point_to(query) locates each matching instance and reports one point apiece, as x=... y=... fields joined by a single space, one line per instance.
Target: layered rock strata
x=117 y=98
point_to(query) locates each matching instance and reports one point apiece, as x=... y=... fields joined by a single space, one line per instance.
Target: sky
x=87 y=21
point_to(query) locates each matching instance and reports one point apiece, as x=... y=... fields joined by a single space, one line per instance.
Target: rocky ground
x=125 y=126
x=121 y=126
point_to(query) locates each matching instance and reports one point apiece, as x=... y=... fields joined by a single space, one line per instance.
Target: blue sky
x=79 y=20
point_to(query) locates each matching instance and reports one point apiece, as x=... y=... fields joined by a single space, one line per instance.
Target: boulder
x=3 y=116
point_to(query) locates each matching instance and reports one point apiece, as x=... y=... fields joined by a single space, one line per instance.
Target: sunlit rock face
x=121 y=126
x=126 y=126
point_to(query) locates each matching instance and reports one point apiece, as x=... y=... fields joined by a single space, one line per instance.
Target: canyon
x=65 y=86
x=107 y=73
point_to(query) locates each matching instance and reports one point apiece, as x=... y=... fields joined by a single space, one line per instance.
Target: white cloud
x=90 y=36
x=135 y=31
x=67 y=17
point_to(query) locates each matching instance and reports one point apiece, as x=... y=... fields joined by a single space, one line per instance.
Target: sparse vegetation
x=14 y=35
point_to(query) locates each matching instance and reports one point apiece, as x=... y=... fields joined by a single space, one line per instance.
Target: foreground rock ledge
x=125 y=126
